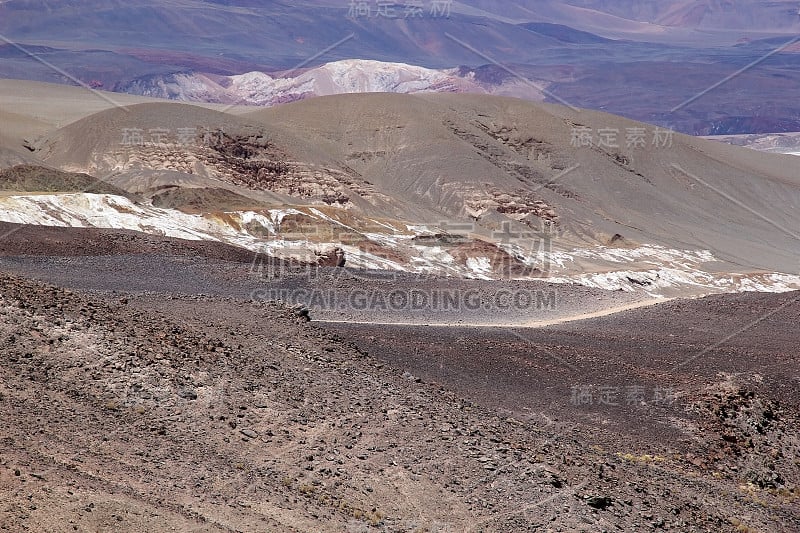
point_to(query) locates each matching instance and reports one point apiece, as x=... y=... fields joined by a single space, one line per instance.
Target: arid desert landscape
x=445 y=309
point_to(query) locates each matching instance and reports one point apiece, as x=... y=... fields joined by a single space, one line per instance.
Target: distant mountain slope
x=492 y=161
x=658 y=62
x=678 y=19
x=775 y=15
x=274 y=33
x=779 y=143
x=260 y=88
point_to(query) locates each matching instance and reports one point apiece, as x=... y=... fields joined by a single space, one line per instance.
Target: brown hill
x=488 y=160
x=470 y=155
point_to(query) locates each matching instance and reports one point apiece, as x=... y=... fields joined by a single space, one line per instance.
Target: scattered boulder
x=249 y=433
x=599 y=502
x=301 y=311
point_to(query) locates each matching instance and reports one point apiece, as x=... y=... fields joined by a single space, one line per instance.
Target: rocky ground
x=145 y=411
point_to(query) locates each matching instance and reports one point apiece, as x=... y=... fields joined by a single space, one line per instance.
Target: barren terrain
x=390 y=313
x=156 y=394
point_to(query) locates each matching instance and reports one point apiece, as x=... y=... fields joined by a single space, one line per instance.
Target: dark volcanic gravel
x=156 y=394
